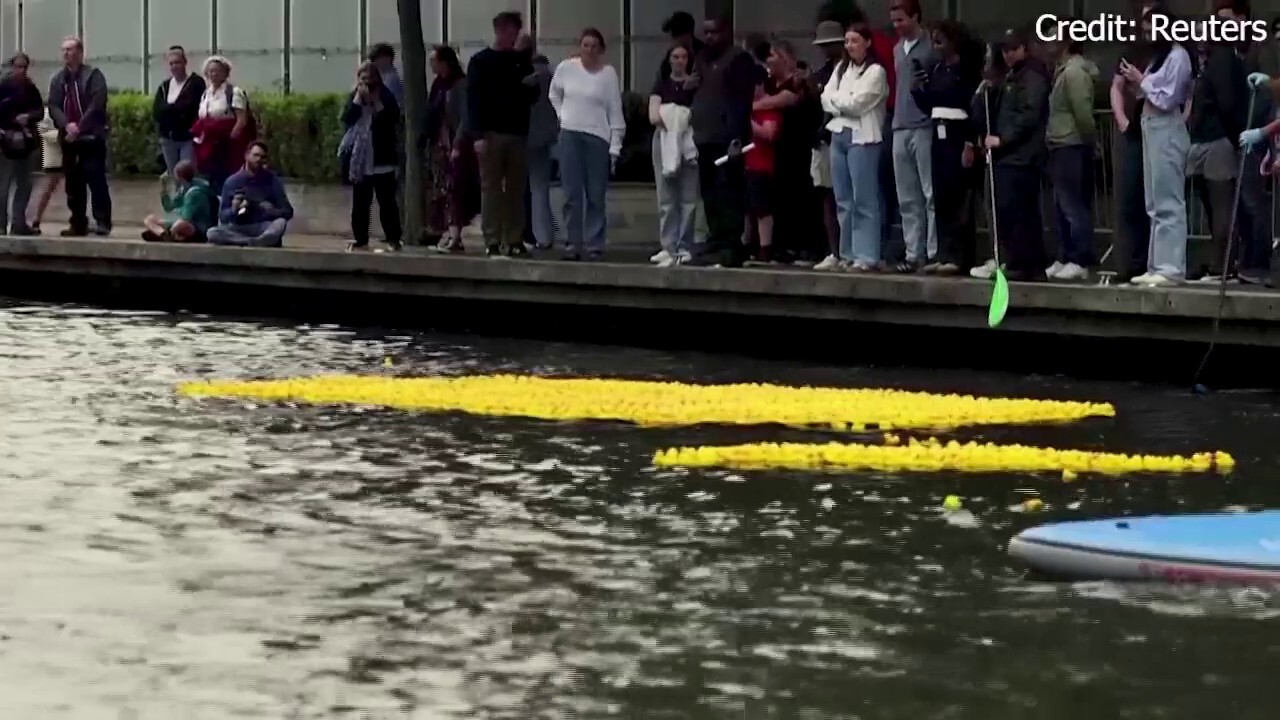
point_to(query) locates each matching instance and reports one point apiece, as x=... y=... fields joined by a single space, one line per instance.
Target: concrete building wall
x=314 y=45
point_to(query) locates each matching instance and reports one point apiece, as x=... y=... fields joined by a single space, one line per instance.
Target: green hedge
x=304 y=131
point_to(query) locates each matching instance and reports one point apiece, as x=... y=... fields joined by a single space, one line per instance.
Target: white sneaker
x=1165 y=281
x=984 y=271
x=1215 y=280
x=1070 y=271
x=660 y=257
x=1155 y=280
x=830 y=262
x=681 y=258
x=1053 y=270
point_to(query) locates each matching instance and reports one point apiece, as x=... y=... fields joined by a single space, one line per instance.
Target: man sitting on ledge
x=255 y=211
x=189 y=207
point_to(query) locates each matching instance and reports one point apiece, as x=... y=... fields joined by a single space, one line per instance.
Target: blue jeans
x=913 y=176
x=677 y=203
x=1071 y=172
x=1165 y=144
x=542 y=221
x=175 y=151
x=855 y=180
x=584 y=176
x=260 y=234
x=1255 y=217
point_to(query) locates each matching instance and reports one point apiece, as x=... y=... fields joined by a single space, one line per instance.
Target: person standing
x=1166 y=86
x=498 y=105
x=724 y=76
x=588 y=100
x=383 y=57
x=224 y=125
x=681 y=28
x=946 y=94
x=675 y=161
x=1219 y=113
x=855 y=97
x=78 y=105
x=1072 y=135
x=913 y=139
x=544 y=132
x=51 y=158
x=21 y=108
x=829 y=38
x=453 y=195
x=1262 y=63
x=176 y=108
x=761 y=170
x=1017 y=146
x=1126 y=109
x=797 y=231
x=370 y=151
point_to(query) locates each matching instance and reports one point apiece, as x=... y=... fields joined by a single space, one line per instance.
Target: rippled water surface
x=182 y=560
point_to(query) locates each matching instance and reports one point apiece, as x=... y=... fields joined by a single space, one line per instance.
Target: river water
x=188 y=560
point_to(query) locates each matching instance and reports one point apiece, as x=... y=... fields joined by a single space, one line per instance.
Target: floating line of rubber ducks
x=932 y=455
x=650 y=403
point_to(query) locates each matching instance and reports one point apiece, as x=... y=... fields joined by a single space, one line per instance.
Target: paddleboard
x=1240 y=548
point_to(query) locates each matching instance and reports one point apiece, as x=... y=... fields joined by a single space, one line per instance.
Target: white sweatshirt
x=589 y=102
x=856 y=99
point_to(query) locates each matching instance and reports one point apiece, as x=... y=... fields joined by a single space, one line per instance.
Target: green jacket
x=195 y=204
x=1071 y=103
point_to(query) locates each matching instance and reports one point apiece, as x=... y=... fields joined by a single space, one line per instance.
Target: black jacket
x=1021 y=113
x=1219 y=100
x=951 y=86
x=174 y=121
x=90 y=86
x=385 y=128
x=721 y=110
x=498 y=99
x=16 y=98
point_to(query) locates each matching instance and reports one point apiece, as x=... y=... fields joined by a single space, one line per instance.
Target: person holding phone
x=255 y=210
x=1126 y=109
x=1166 y=86
x=912 y=142
x=371 y=155
x=189 y=207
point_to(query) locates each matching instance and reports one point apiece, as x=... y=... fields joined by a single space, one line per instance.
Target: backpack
x=251 y=119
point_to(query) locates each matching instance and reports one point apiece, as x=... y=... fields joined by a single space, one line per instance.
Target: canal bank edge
x=1180 y=315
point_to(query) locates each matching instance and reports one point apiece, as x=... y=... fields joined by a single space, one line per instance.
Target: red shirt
x=760 y=159
x=882 y=46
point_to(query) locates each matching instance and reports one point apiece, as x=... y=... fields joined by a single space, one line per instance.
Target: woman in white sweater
x=855 y=96
x=588 y=98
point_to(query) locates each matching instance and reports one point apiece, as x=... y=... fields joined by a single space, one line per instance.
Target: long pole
x=1196 y=386
x=991 y=177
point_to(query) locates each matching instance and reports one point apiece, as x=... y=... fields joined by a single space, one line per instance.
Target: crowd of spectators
x=907 y=123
